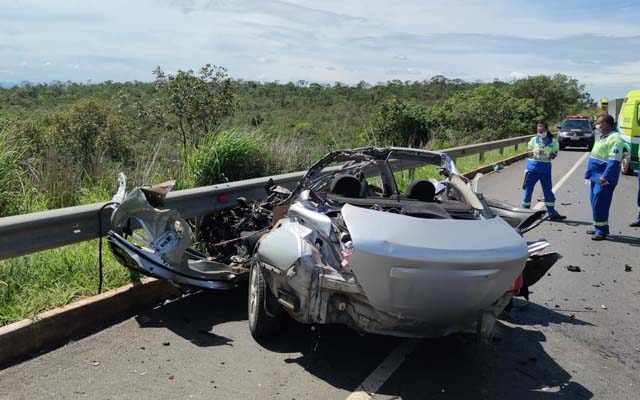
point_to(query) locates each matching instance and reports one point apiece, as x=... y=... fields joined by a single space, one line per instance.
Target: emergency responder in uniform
x=636 y=223
x=544 y=148
x=603 y=171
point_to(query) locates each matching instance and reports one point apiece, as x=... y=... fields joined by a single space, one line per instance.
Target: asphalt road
x=579 y=338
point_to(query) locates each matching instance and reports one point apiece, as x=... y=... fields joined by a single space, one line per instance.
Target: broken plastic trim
x=165 y=252
x=148 y=263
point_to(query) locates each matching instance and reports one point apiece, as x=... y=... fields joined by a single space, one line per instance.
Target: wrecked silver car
x=348 y=246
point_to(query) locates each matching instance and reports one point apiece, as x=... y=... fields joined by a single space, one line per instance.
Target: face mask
x=542 y=135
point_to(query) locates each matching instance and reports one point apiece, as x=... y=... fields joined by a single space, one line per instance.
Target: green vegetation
x=225 y=157
x=464 y=164
x=62 y=144
x=52 y=278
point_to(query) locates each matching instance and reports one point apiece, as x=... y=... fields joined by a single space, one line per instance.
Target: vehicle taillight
x=517 y=285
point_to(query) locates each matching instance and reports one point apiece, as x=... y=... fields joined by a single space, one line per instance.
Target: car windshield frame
x=368 y=157
x=570 y=124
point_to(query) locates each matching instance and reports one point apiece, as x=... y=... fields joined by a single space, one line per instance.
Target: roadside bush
x=399 y=123
x=89 y=132
x=225 y=157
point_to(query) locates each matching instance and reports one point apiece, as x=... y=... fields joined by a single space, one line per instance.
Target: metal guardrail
x=30 y=233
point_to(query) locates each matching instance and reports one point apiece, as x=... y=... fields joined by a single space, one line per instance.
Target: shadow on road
x=514 y=365
x=572 y=222
x=194 y=316
x=624 y=239
x=535 y=314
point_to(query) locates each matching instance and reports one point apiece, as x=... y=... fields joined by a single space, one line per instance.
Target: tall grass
x=52 y=278
x=17 y=193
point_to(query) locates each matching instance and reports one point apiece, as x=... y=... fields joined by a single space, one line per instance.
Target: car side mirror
x=558 y=127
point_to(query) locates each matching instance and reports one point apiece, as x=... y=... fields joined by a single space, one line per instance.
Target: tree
x=192 y=105
x=487 y=112
x=557 y=95
x=400 y=123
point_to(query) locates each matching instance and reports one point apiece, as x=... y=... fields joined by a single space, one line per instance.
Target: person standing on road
x=603 y=171
x=543 y=148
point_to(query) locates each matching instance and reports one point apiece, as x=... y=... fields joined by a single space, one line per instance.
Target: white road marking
x=540 y=204
x=378 y=377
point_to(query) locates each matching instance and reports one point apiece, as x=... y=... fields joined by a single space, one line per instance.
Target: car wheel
x=265 y=313
x=562 y=146
x=626 y=164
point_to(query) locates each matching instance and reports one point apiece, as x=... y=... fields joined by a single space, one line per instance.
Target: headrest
x=346 y=186
x=421 y=189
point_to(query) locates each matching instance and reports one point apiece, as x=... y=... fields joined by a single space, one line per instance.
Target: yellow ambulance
x=629 y=128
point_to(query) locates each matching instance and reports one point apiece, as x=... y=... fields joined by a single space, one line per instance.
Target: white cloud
x=615 y=74
x=314 y=41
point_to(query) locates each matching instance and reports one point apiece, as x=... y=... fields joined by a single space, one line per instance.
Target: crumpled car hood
x=430 y=268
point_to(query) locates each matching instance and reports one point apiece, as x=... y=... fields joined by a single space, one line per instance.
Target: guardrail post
x=481 y=156
x=501 y=151
x=516 y=147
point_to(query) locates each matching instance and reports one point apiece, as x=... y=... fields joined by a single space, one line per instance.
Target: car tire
x=626 y=164
x=562 y=146
x=264 y=312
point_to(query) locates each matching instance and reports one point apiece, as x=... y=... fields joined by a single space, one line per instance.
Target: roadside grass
x=45 y=280
x=48 y=279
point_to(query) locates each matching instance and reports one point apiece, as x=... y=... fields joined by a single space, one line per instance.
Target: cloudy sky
x=597 y=42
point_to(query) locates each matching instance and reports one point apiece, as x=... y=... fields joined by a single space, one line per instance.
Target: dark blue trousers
x=530 y=180
x=601 y=196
